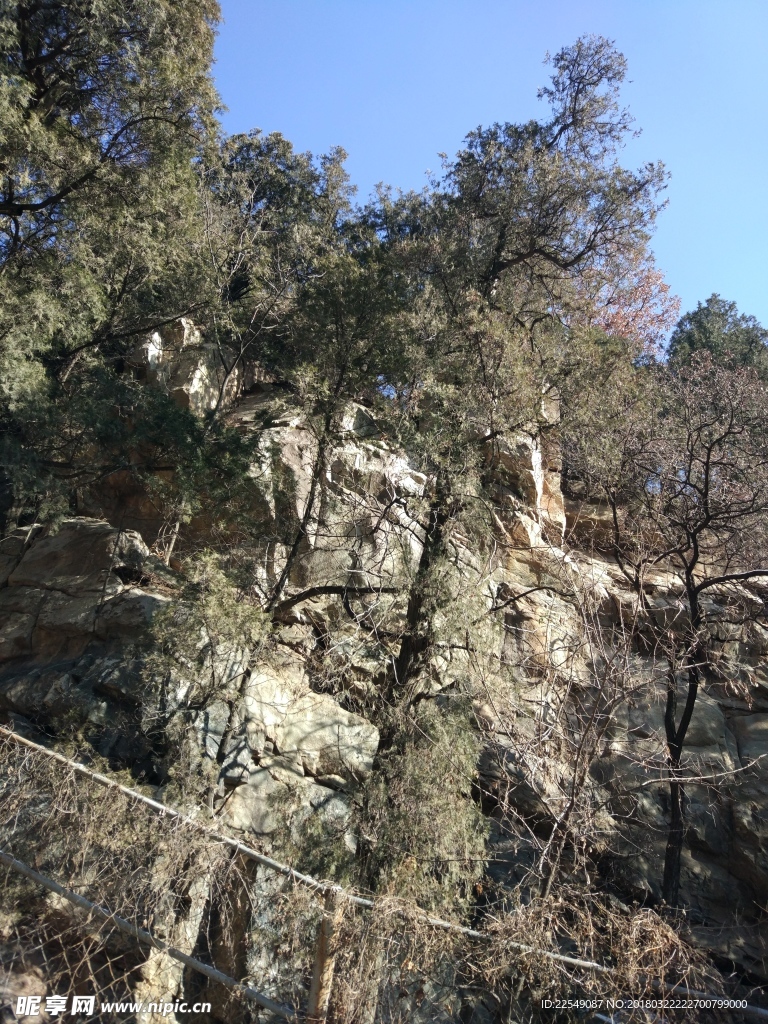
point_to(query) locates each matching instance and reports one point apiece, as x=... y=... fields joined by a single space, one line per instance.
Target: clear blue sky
x=395 y=82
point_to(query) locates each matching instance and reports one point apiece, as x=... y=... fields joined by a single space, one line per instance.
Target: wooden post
x=325 y=961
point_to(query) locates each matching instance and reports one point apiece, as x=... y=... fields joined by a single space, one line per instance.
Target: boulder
x=309 y=728
x=12 y=548
x=16 y=636
x=210 y=724
x=259 y=806
x=751 y=732
x=81 y=557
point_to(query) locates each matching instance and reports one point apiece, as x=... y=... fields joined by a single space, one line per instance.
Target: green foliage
x=98 y=98
x=449 y=313
x=202 y=643
x=606 y=400
x=531 y=225
x=103 y=105
x=197 y=651
x=317 y=842
x=716 y=326
x=425 y=834
x=271 y=215
x=209 y=630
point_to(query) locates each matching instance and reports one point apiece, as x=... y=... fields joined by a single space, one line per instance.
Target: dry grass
x=392 y=966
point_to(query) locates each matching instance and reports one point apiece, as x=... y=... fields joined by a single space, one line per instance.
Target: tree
x=503 y=247
x=270 y=214
x=717 y=327
x=96 y=93
x=681 y=459
x=549 y=197
x=104 y=108
x=635 y=306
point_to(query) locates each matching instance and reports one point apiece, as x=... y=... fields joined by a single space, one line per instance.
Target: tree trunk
x=303 y=530
x=325 y=961
x=670 y=888
x=417 y=638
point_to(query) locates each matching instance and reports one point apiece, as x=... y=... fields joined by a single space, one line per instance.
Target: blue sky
x=395 y=82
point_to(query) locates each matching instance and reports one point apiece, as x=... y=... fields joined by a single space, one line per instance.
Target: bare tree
x=681 y=461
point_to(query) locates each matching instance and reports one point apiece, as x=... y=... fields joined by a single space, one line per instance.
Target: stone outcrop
x=62 y=590
x=74 y=600
x=289 y=741
x=176 y=360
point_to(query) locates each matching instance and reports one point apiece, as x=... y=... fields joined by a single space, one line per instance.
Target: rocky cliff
x=528 y=633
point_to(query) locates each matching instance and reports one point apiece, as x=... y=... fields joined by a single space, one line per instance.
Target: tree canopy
x=123 y=208
x=514 y=301
x=105 y=109
x=717 y=327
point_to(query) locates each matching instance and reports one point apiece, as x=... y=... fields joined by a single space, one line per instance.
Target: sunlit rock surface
x=282 y=747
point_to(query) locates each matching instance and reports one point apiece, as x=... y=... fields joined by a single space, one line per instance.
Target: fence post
x=325 y=961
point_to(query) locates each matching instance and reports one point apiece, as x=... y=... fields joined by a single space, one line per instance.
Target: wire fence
x=98 y=872
x=157 y=871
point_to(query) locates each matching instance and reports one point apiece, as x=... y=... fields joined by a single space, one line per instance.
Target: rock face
x=281 y=738
x=74 y=600
x=309 y=729
x=177 y=360
x=60 y=591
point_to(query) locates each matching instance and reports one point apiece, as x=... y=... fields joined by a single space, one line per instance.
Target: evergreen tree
x=530 y=224
x=103 y=108
x=716 y=326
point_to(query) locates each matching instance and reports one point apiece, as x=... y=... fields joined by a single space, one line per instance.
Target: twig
x=145 y=937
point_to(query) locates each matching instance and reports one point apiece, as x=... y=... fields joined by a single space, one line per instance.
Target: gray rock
x=16 y=635
x=751 y=733
x=79 y=558
x=309 y=728
x=127 y=614
x=257 y=806
x=210 y=724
